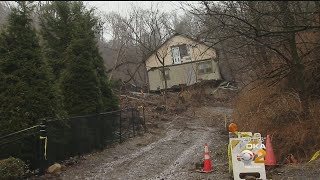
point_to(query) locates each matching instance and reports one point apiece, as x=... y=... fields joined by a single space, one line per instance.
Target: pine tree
x=25 y=92
x=56 y=30
x=109 y=101
x=82 y=77
x=79 y=81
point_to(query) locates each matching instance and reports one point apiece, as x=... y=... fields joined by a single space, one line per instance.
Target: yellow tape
x=234 y=143
x=230 y=158
x=45 y=146
x=315 y=156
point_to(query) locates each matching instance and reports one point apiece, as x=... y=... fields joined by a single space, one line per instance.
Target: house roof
x=174 y=35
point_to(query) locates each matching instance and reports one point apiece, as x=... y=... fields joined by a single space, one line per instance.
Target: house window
x=166 y=74
x=204 y=67
x=183 y=50
x=178 y=52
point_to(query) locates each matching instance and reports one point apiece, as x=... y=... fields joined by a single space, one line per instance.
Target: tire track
x=111 y=166
x=176 y=169
x=171 y=157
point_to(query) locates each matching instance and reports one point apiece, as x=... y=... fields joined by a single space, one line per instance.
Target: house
x=184 y=61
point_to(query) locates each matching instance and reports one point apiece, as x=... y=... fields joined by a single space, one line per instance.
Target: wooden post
x=225 y=121
x=120 y=133
x=144 y=120
x=132 y=122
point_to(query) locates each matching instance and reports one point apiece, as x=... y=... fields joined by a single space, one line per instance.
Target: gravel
x=169 y=152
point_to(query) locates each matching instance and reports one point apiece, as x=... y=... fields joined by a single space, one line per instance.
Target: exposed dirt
x=167 y=152
x=307 y=171
x=174 y=143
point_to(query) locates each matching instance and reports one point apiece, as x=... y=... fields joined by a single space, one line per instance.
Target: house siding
x=197 y=51
x=181 y=74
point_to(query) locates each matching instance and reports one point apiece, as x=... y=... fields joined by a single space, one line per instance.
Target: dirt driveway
x=169 y=151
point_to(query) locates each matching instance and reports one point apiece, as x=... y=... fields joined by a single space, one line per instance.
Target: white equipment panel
x=246 y=156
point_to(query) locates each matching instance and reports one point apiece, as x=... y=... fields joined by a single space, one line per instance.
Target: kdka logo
x=259 y=154
x=253 y=152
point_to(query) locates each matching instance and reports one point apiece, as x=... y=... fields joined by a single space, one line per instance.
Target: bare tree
x=144 y=31
x=264 y=40
x=265 y=26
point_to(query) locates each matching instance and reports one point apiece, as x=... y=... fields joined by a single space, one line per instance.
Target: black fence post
x=43 y=147
x=132 y=122
x=120 y=133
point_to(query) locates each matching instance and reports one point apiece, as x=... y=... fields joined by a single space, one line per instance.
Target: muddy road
x=168 y=151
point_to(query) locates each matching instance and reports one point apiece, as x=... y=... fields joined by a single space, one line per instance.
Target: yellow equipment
x=246 y=155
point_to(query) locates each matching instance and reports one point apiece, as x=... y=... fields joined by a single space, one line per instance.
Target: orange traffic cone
x=270 y=157
x=207 y=162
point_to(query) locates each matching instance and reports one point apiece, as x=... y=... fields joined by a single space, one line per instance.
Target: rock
x=70 y=161
x=160 y=108
x=47 y=176
x=63 y=168
x=55 y=168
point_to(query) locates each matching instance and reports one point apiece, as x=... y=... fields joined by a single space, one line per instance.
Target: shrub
x=279 y=112
x=26 y=94
x=12 y=168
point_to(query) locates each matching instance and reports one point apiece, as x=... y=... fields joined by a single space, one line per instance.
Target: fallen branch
x=138 y=99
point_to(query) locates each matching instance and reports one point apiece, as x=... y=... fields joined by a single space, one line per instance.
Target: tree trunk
x=165 y=85
x=262 y=59
x=295 y=77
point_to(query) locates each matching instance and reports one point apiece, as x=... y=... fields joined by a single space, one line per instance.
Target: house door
x=176 y=55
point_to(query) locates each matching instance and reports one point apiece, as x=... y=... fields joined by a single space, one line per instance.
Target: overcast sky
x=124 y=7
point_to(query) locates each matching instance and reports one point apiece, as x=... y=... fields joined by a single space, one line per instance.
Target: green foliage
x=70 y=47
x=79 y=81
x=12 y=168
x=109 y=100
x=57 y=34
x=25 y=91
x=70 y=75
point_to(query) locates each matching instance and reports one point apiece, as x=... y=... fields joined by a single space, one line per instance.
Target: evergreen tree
x=109 y=101
x=81 y=76
x=79 y=81
x=25 y=93
x=56 y=30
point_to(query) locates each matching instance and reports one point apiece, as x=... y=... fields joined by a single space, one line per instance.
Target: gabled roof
x=174 y=35
x=191 y=38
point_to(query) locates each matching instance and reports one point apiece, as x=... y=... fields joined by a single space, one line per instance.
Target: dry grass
x=206 y=94
x=278 y=112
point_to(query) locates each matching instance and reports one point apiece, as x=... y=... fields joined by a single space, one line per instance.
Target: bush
x=279 y=112
x=12 y=168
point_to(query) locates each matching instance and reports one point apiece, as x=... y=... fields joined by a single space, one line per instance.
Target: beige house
x=185 y=61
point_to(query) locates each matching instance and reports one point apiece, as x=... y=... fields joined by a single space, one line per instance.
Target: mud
x=169 y=152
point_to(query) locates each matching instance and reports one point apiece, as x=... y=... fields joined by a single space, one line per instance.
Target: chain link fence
x=59 y=139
